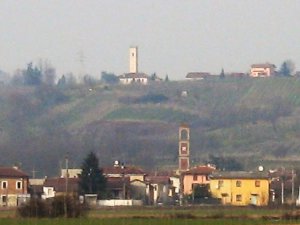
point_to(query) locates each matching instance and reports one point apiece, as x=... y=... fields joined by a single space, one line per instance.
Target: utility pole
x=293 y=185
x=123 y=181
x=282 y=184
x=282 y=192
x=66 y=186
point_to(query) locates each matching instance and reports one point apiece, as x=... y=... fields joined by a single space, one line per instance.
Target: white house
x=262 y=70
x=129 y=78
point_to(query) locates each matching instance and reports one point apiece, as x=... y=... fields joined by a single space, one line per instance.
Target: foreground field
x=136 y=221
x=167 y=216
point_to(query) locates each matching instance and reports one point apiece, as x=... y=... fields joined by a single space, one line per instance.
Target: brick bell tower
x=184 y=148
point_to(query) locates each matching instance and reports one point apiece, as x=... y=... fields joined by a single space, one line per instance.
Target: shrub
x=33 y=208
x=52 y=208
x=74 y=208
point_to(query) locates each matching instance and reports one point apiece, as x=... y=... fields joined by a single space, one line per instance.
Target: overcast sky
x=174 y=36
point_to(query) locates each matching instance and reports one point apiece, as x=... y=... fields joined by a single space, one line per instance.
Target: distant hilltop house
x=197 y=75
x=129 y=78
x=262 y=70
x=133 y=76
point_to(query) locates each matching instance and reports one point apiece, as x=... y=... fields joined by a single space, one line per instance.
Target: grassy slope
x=254 y=118
x=205 y=99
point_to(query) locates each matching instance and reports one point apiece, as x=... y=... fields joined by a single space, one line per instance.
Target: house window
x=19 y=185
x=257 y=183
x=195 y=177
x=4 y=198
x=238 y=198
x=4 y=184
x=220 y=183
x=238 y=183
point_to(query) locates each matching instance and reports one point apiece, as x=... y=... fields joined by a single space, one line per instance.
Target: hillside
x=254 y=120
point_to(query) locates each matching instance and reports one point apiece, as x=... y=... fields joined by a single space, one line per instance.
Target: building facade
x=129 y=78
x=13 y=186
x=196 y=176
x=262 y=70
x=240 y=188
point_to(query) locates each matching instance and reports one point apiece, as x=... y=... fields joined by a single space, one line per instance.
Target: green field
x=142 y=222
x=168 y=216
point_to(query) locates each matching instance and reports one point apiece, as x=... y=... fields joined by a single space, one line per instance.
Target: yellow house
x=240 y=188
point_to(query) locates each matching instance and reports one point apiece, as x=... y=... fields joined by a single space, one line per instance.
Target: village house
x=196 y=176
x=142 y=190
x=118 y=187
x=71 y=172
x=13 y=186
x=240 y=188
x=163 y=190
x=120 y=170
x=60 y=186
x=262 y=70
x=129 y=78
x=36 y=187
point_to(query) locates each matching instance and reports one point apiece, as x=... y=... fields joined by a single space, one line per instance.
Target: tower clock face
x=184 y=148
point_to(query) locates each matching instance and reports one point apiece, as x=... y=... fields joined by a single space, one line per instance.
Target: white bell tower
x=133 y=59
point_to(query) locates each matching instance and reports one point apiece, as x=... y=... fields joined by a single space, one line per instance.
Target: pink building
x=198 y=175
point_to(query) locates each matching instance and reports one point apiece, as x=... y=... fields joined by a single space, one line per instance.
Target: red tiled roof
x=59 y=184
x=263 y=65
x=123 y=170
x=116 y=182
x=200 y=170
x=12 y=172
x=239 y=175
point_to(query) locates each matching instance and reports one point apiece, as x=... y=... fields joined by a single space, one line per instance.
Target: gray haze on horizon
x=174 y=36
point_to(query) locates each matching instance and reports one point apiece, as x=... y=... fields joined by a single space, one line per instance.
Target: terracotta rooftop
x=239 y=175
x=116 y=182
x=263 y=65
x=201 y=170
x=116 y=170
x=59 y=184
x=12 y=172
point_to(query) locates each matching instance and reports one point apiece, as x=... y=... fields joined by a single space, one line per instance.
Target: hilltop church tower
x=133 y=59
x=184 y=148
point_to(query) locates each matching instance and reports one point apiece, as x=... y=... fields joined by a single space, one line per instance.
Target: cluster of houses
x=129 y=185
